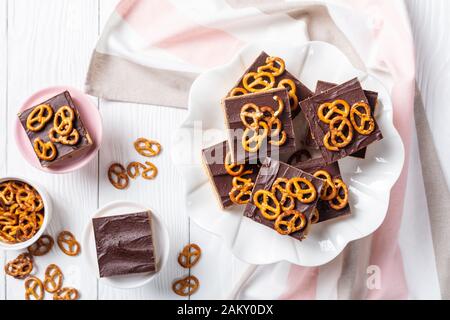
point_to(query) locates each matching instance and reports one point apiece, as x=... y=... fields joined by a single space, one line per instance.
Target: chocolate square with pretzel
x=284 y=198
x=341 y=121
x=125 y=244
x=232 y=183
x=372 y=97
x=55 y=130
x=259 y=125
x=334 y=198
x=268 y=73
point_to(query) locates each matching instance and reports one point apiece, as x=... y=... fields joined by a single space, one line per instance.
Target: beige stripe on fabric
x=438 y=196
x=117 y=79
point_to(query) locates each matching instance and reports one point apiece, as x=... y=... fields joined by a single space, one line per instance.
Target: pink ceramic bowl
x=91 y=119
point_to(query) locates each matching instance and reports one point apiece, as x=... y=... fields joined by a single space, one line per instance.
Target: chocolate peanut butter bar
x=337 y=135
x=282 y=78
x=39 y=124
x=125 y=244
x=272 y=184
x=214 y=161
x=372 y=97
x=260 y=125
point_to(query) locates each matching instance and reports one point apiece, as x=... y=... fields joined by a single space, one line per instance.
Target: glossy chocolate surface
x=351 y=92
x=270 y=171
x=213 y=161
x=124 y=244
x=232 y=107
x=64 y=151
x=302 y=91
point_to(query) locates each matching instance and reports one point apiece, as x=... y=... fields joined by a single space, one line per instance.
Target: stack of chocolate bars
x=280 y=161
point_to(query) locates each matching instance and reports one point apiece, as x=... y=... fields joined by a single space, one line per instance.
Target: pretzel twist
x=68 y=243
x=341 y=199
x=34 y=288
x=302 y=189
x=147 y=148
x=63 y=120
x=53 y=279
x=39 y=117
x=329 y=190
x=366 y=124
x=290 y=222
x=42 y=246
x=20 y=267
x=44 y=150
x=186 y=286
x=267 y=203
x=66 y=294
x=190 y=255
x=118 y=176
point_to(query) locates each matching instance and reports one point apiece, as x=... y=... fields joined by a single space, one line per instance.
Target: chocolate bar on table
x=372 y=97
x=270 y=171
x=232 y=108
x=125 y=244
x=214 y=163
x=352 y=93
x=326 y=212
x=302 y=92
x=64 y=151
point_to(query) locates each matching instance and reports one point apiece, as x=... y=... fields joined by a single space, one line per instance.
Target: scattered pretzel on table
x=66 y=293
x=34 y=288
x=53 y=279
x=147 y=148
x=150 y=172
x=117 y=175
x=68 y=243
x=42 y=246
x=186 y=286
x=134 y=169
x=189 y=256
x=20 y=267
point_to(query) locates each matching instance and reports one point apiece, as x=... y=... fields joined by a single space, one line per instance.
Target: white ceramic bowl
x=161 y=241
x=370 y=180
x=47 y=216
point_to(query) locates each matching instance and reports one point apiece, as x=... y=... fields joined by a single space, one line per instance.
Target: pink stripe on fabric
x=302 y=284
x=163 y=26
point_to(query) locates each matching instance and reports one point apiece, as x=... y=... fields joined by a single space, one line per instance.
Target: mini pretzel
x=289 y=222
x=278 y=137
x=26 y=200
x=366 y=124
x=150 y=172
x=327 y=110
x=341 y=199
x=258 y=81
x=302 y=189
x=328 y=144
x=63 y=120
x=53 y=278
x=44 y=150
x=287 y=202
x=292 y=92
x=299 y=156
x=242 y=190
x=315 y=216
x=252 y=140
x=230 y=167
x=42 y=246
x=72 y=139
x=68 y=244
x=272 y=68
x=66 y=294
x=280 y=106
x=134 y=169
x=268 y=113
x=147 y=148
x=39 y=117
x=238 y=92
x=329 y=190
x=186 y=286
x=339 y=138
x=7 y=193
x=189 y=256
x=27 y=226
x=34 y=288
x=118 y=177
x=267 y=203
x=251 y=111
x=20 y=267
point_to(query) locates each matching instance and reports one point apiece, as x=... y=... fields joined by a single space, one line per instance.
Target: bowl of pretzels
x=25 y=211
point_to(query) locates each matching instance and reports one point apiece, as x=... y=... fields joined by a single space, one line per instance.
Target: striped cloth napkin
x=165 y=44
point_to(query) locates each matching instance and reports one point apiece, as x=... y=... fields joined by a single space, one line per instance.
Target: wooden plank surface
x=50 y=43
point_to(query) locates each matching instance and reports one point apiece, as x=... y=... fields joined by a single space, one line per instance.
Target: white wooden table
x=49 y=42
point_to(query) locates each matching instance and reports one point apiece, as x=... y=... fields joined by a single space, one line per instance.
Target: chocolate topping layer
x=64 y=151
x=124 y=244
x=232 y=107
x=269 y=172
x=351 y=92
